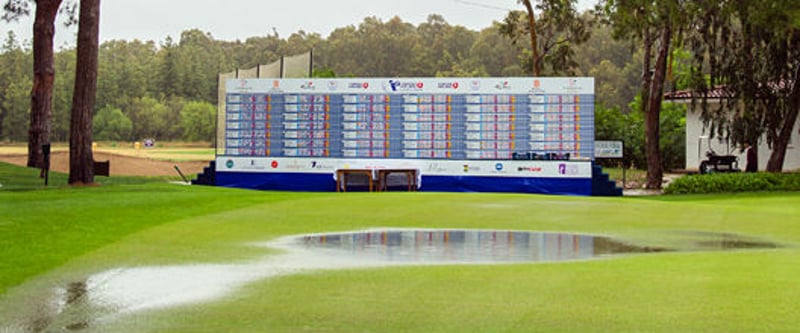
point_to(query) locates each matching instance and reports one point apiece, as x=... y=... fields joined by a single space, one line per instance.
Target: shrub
x=734 y=182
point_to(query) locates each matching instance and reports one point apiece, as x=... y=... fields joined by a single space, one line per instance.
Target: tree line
x=168 y=90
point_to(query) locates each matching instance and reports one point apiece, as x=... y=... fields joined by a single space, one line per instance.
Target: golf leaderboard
x=427 y=118
x=458 y=134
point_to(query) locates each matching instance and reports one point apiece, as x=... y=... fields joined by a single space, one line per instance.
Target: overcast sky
x=240 y=19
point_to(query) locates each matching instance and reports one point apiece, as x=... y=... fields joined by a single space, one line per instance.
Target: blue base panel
x=316 y=182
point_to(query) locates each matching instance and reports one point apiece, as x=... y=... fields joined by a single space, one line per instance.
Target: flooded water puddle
x=466 y=246
x=109 y=297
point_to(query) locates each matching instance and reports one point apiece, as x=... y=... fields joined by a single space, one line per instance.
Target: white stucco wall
x=694 y=130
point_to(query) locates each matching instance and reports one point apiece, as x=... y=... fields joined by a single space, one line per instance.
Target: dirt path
x=120 y=164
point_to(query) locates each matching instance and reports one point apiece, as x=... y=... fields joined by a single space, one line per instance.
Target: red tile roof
x=719 y=92
x=716 y=93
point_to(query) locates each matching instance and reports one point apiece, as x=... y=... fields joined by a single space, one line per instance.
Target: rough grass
x=50 y=233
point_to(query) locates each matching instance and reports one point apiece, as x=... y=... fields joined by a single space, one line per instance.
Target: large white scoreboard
x=536 y=127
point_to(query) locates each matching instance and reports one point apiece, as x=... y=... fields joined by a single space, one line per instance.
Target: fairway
x=57 y=237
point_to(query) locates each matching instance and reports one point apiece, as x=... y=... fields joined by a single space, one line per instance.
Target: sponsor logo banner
x=505 y=168
x=513 y=85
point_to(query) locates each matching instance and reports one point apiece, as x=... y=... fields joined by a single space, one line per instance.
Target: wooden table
x=341 y=178
x=411 y=176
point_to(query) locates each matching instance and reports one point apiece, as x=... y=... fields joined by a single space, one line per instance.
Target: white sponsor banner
x=496 y=168
x=401 y=86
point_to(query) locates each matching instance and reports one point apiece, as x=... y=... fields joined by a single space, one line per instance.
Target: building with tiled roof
x=698 y=141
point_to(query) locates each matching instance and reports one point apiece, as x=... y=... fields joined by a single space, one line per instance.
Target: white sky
x=240 y=19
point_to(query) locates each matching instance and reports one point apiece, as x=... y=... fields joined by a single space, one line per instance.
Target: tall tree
x=43 y=71
x=553 y=34
x=537 y=62
x=655 y=23
x=81 y=161
x=753 y=51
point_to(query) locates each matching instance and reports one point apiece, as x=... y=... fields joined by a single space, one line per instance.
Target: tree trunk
x=81 y=161
x=537 y=63
x=43 y=78
x=652 y=128
x=647 y=76
x=776 y=159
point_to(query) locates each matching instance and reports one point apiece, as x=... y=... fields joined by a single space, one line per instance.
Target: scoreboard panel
x=533 y=135
x=427 y=118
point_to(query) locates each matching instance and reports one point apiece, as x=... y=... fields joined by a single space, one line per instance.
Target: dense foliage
x=157 y=85
x=614 y=124
x=753 y=51
x=734 y=182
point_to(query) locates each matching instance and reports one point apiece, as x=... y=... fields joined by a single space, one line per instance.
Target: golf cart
x=715 y=162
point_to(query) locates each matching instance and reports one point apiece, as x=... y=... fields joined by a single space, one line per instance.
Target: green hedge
x=734 y=182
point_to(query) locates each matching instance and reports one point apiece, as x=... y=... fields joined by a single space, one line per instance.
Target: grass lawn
x=54 y=234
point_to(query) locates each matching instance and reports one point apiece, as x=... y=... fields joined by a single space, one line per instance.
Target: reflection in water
x=466 y=246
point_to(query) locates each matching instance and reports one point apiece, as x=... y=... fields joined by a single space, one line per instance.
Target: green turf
x=43 y=228
x=46 y=233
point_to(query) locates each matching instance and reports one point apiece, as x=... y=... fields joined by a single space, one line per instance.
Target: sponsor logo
x=358 y=85
x=504 y=85
x=243 y=85
x=572 y=82
x=471 y=168
x=397 y=85
x=229 y=164
x=254 y=165
x=537 y=87
x=498 y=166
x=530 y=169
x=308 y=85
x=434 y=167
x=572 y=85
x=276 y=86
x=448 y=85
x=317 y=165
x=568 y=170
x=475 y=85
x=294 y=165
x=274 y=164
